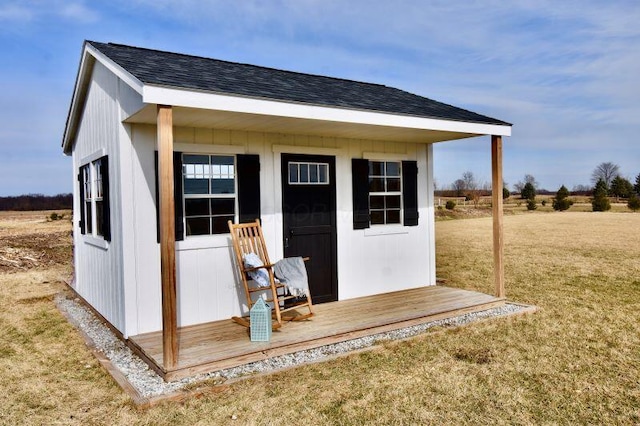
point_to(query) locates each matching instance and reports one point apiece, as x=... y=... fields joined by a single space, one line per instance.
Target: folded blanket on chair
x=292 y=272
x=260 y=276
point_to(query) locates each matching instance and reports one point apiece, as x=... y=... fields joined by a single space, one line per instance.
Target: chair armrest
x=268 y=266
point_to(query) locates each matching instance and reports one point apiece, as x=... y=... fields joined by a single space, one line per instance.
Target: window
x=385 y=192
x=303 y=173
x=209 y=188
x=94 y=198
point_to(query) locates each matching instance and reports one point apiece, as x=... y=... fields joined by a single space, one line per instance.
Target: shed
x=167 y=147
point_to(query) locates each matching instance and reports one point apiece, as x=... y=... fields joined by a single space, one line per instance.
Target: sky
x=565 y=73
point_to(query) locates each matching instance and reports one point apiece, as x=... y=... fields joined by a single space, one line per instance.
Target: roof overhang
x=194 y=108
x=205 y=109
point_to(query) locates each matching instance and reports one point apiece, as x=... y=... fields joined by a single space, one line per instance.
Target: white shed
x=167 y=147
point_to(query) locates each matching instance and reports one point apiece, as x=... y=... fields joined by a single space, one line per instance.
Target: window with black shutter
x=384 y=193
x=93 y=179
x=211 y=189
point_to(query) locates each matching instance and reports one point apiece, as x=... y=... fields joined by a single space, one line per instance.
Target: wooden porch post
x=167 y=236
x=496 y=192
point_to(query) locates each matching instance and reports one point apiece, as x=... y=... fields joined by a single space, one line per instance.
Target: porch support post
x=167 y=236
x=498 y=235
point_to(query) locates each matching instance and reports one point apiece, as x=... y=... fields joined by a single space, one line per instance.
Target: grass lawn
x=577 y=360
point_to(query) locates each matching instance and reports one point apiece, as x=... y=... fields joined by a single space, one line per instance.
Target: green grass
x=576 y=361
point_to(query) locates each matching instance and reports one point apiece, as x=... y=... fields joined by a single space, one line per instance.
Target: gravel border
x=149 y=384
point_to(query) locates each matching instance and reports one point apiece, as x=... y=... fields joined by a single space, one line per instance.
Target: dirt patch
x=30 y=240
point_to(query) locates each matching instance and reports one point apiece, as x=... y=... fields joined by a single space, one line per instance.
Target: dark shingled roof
x=212 y=75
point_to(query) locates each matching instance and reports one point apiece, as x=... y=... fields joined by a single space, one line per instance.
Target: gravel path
x=149 y=384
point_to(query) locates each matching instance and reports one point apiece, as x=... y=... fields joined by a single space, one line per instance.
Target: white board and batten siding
x=100 y=265
x=375 y=260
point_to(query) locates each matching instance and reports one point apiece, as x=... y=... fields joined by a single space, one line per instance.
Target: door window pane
x=303 y=173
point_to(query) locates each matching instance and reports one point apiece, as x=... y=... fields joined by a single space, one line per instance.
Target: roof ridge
x=242 y=64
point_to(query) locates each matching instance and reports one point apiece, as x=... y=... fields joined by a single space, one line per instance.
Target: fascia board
x=205 y=100
x=120 y=72
x=77 y=100
x=89 y=55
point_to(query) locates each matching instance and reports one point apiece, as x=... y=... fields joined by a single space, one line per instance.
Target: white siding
x=369 y=262
x=98 y=265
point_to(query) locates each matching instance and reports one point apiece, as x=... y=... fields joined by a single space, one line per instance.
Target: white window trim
x=386 y=193
x=93 y=238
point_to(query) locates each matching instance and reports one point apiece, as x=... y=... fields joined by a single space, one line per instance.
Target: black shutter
x=410 y=192
x=155 y=169
x=360 y=189
x=177 y=195
x=106 y=210
x=83 y=226
x=248 y=168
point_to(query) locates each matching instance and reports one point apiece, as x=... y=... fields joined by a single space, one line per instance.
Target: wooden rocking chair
x=247 y=238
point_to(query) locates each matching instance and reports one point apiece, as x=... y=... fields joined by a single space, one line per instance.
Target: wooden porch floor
x=224 y=344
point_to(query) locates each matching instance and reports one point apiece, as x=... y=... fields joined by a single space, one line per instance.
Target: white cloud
x=30 y=11
x=15 y=13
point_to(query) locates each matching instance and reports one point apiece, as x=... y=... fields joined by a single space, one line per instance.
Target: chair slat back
x=248 y=238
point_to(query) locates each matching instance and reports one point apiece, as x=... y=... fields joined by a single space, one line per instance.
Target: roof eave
x=191 y=98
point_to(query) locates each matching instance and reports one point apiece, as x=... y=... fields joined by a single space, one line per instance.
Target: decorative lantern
x=260 y=321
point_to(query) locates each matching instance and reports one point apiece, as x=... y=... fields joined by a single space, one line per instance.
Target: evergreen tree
x=528 y=191
x=600 y=202
x=621 y=187
x=634 y=203
x=505 y=193
x=561 y=201
x=636 y=187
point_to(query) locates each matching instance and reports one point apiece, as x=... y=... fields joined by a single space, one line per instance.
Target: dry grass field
x=576 y=361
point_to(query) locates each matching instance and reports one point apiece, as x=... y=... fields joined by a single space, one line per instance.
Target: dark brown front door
x=309 y=214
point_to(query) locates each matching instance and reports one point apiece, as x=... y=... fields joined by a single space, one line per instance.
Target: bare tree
x=459 y=187
x=530 y=179
x=469 y=179
x=519 y=186
x=605 y=171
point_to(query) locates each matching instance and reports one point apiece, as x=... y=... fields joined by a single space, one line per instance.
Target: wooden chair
x=248 y=238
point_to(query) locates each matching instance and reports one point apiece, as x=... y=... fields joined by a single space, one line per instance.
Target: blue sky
x=566 y=74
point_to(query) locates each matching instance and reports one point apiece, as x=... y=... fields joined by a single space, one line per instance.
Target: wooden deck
x=223 y=344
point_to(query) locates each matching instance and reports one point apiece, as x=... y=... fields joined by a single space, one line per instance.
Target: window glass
x=323 y=173
x=385 y=196
x=376 y=185
x=308 y=173
x=376 y=202
x=223 y=206
x=393 y=168
x=377 y=217
x=393 y=185
x=293 y=173
x=304 y=173
x=376 y=168
x=196 y=207
x=313 y=173
x=198 y=226
x=209 y=193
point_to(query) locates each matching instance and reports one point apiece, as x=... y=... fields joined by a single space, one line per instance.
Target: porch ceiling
x=207 y=118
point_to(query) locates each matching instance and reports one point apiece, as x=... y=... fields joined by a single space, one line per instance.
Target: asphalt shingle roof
x=193 y=72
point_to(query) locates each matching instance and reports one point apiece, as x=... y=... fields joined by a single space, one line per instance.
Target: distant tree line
x=606 y=178
x=37 y=202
